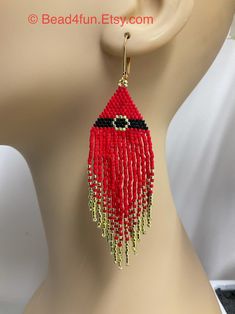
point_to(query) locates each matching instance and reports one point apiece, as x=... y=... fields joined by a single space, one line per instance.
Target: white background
x=201 y=160
x=201 y=163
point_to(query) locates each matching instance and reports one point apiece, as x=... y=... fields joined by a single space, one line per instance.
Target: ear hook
x=126 y=63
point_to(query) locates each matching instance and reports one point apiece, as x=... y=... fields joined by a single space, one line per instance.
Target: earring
x=121 y=171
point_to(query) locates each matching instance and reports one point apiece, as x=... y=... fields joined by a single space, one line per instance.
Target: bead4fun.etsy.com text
x=82 y=19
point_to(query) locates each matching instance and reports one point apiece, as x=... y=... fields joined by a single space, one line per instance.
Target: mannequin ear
x=168 y=19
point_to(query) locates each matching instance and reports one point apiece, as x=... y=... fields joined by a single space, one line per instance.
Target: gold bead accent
x=94 y=210
x=119 y=257
x=134 y=240
x=115 y=251
x=123 y=82
x=127 y=253
x=149 y=211
x=143 y=223
x=99 y=216
x=111 y=244
x=90 y=199
x=138 y=228
x=104 y=225
x=149 y=216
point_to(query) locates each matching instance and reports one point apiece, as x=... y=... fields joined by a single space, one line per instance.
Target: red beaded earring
x=121 y=171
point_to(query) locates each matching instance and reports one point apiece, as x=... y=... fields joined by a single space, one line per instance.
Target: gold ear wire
x=126 y=63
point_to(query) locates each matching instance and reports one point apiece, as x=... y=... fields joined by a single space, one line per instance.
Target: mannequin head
x=54 y=75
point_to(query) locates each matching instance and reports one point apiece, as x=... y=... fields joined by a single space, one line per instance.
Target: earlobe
x=169 y=20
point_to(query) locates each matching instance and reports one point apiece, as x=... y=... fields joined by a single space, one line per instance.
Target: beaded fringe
x=121 y=175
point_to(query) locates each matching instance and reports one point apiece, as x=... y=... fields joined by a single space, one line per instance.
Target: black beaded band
x=109 y=123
